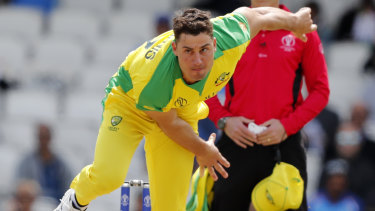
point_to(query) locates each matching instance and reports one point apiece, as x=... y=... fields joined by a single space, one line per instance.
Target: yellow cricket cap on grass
x=282 y=190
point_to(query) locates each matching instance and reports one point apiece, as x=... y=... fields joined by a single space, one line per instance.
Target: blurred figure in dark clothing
x=329 y=121
x=162 y=24
x=369 y=66
x=45 y=167
x=335 y=195
x=350 y=144
x=353 y=18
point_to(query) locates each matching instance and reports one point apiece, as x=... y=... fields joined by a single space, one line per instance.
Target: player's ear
x=174 y=47
x=214 y=43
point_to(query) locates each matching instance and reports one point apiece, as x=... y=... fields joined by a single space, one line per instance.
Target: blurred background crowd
x=56 y=57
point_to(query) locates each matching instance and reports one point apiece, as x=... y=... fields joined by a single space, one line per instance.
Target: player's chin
x=199 y=75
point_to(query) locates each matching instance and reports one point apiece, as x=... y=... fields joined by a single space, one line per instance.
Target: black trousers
x=249 y=166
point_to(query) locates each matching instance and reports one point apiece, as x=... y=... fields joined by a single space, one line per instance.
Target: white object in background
x=256 y=128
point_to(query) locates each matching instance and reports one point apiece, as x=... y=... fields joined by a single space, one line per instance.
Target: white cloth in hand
x=256 y=128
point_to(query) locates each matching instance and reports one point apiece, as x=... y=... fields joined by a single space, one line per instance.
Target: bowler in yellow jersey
x=158 y=93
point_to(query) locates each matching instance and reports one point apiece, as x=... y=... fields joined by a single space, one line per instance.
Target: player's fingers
x=303 y=37
x=246 y=120
x=221 y=170
x=307 y=9
x=201 y=171
x=264 y=138
x=212 y=137
x=264 y=135
x=268 y=140
x=248 y=135
x=246 y=141
x=212 y=173
x=314 y=27
x=267 y=143
x=223 y=161
x=239 y=143
x=267 y=123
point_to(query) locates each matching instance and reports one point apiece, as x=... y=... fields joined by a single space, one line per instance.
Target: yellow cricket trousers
x=123 y=127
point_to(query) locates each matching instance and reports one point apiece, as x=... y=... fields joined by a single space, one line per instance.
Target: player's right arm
x=183 y=134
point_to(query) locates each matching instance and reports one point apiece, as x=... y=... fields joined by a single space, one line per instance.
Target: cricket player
x=158 y=93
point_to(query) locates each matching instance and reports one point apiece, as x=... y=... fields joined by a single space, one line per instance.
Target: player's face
x=195 y=55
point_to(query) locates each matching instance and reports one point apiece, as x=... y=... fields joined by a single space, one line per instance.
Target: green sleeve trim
x=242 y=19
x=231 y=30
x=122 y=79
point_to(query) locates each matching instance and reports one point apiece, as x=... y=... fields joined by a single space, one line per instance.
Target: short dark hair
x=192 y=21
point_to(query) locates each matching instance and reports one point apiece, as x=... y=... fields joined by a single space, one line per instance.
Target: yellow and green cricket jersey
x=152 y=76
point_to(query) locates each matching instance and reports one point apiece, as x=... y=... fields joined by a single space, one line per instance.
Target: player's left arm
x=270 y=18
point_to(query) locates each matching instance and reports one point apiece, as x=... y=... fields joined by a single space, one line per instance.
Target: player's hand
x=236 y=129
x=304 y=23
x=274 y=134
x=212 y=160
